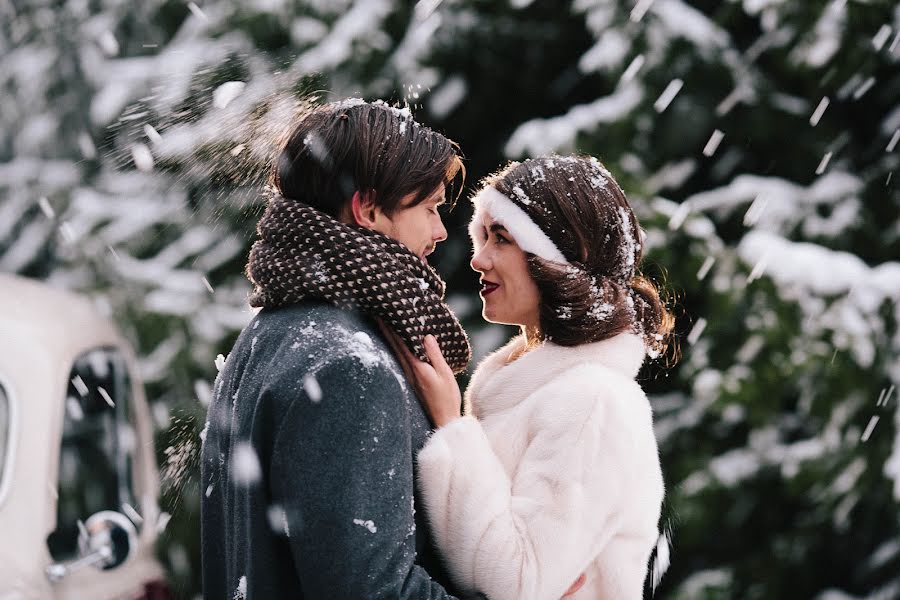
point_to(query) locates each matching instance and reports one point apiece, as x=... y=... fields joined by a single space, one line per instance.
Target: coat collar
x=496 y=385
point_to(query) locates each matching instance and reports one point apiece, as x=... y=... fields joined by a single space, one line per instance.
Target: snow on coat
x=557 y=473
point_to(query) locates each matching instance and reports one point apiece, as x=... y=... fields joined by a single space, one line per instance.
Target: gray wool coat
x=308 y=469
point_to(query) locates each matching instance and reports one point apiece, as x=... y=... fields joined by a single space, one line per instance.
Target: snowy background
x=757 y=140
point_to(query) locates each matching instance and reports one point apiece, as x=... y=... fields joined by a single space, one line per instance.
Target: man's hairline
x=346 y=212
x=440 y=190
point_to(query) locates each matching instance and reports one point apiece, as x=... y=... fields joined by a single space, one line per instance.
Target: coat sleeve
x=342 y=473
x=529 y=536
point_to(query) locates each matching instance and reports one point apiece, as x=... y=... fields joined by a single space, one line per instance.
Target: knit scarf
x=304 y=253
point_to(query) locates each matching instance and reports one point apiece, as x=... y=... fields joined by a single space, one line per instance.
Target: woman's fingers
x=416 y=370
x=433 y=350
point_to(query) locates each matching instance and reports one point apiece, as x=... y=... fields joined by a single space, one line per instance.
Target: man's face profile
x=418 y=227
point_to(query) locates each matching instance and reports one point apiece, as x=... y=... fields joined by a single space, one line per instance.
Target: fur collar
x=496 y=385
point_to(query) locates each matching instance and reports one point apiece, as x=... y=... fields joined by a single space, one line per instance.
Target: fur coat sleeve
x=526 y=527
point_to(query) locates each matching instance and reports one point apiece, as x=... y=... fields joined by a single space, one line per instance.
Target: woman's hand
x=434 y=383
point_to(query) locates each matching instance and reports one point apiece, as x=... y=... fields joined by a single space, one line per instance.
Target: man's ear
x=364 y=209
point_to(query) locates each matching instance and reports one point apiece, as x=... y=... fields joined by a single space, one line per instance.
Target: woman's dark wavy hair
x=601 y=293
x=338 y=148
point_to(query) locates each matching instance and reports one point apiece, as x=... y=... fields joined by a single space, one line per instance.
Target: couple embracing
x=341 y=459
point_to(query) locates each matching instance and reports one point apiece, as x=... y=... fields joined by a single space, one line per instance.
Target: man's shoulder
x=312 y=324
x=337 y=343
x=305 y=313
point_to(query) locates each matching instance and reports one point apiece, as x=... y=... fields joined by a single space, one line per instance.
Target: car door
x=98 y=447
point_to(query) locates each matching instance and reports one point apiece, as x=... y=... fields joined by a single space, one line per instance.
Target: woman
x=553 y=475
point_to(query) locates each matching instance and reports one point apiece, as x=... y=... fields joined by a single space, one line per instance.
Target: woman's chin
x=492 y=316
x=488 y=315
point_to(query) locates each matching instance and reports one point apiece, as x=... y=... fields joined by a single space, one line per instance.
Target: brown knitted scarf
x=304 y=253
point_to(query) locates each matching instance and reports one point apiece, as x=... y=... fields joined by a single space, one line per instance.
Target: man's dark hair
x=342 y=147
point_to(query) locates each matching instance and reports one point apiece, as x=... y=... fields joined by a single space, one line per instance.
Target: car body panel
x=42 y=331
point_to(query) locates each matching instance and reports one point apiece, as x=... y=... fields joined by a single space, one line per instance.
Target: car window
x=5 y=436
x=96 y=449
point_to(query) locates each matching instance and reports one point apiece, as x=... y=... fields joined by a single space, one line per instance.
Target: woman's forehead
x=488 y=221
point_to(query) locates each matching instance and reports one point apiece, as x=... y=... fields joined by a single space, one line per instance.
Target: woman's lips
x=487 y=287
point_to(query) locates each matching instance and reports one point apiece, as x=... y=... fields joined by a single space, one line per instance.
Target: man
x=308 y=469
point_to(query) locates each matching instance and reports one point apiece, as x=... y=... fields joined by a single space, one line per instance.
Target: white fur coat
x=557 y=473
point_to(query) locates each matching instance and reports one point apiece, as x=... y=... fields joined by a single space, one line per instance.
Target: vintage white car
x=78 y=479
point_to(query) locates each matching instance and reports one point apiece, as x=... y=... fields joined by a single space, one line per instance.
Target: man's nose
x=439 y=234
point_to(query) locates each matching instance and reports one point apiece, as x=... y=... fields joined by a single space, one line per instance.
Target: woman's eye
x=500 y=239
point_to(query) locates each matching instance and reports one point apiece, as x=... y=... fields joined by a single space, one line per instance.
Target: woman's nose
x=480 y=262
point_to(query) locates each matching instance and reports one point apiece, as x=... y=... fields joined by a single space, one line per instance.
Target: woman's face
x=508 y=292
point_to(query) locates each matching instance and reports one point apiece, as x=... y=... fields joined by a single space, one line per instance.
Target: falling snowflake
x=312 y=388
x=245 y=467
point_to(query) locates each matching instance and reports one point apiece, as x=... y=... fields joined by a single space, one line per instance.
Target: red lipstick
x=487 y=287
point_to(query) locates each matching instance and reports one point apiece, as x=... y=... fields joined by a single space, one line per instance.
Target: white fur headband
x=527 y=234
